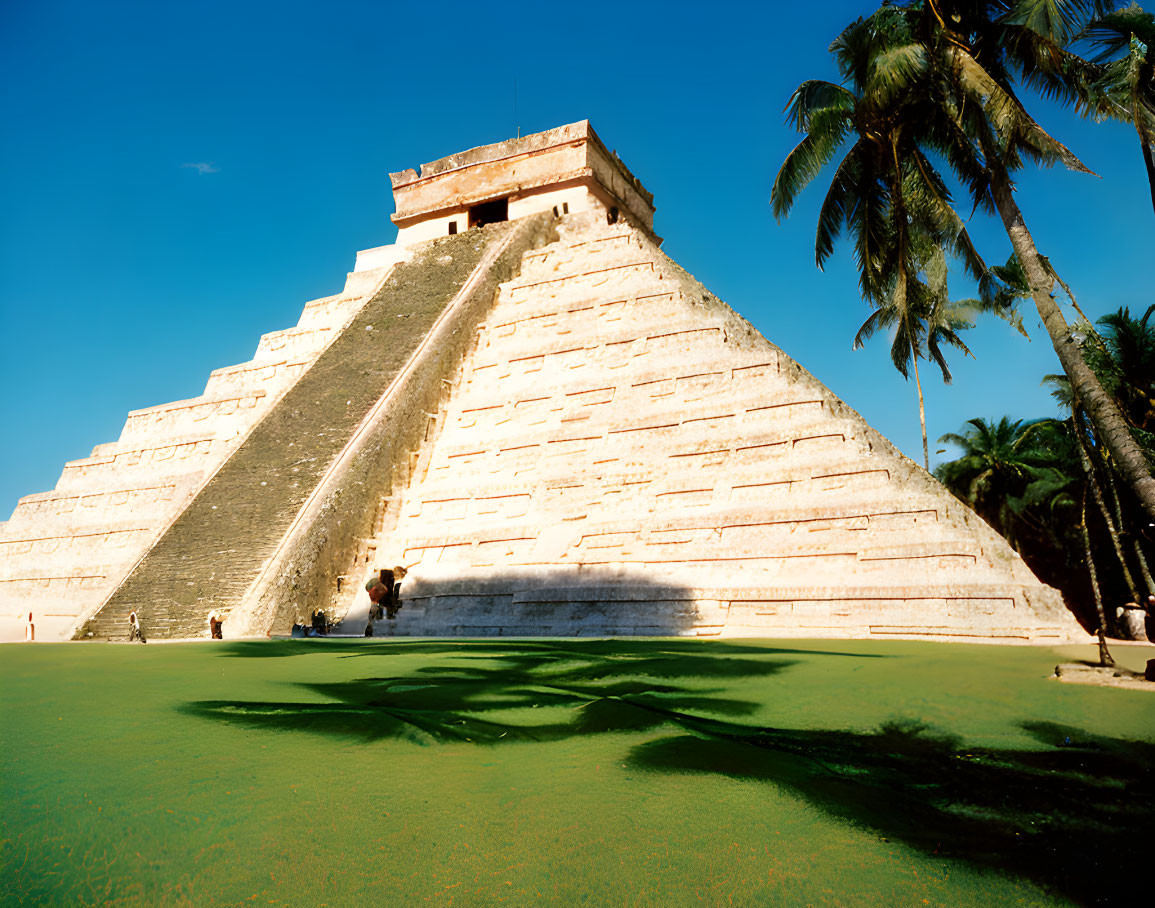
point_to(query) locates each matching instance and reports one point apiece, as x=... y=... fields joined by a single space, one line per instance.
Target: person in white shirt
x=134 y=627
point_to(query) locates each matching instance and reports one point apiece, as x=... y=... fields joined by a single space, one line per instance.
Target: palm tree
x=973 y=49
x=884 y=186
x=1123 y=356
x=1104 y=655
x=885 y=191
x=1130 y=346
x=929 y=321
x=1125 y=87
x=937 y=76
x=1026 y=480
x=999 y=462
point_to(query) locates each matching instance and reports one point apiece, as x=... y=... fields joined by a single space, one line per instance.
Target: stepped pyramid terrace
x=555 y=430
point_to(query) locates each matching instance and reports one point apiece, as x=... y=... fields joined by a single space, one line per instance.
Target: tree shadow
x=484 y=648
x=586 y=687
x=1069 y=816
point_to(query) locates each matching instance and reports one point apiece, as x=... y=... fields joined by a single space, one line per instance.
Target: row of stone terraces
x=615 y=418
x=209 y=557
x=63 y=552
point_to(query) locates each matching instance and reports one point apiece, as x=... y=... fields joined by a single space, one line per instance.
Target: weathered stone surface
x=623 y=454
x=568 y=170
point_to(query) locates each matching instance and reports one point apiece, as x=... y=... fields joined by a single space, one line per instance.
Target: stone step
x=116 y=457
x=963 y=611
x=63 y=508
x=567 y=255
x=188 y=417
x=41 y=541
x=610 y=280
x=454 y=510
x=592 y=315
x=713 y=531
x=616 y=410
x=323 y=310
x=294 y=343
x=686 y=446
x=604 y=358
x=588 y=330
x=751 y=479
x=270 y=376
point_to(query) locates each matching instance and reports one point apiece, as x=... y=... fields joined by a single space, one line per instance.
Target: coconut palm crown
x=885 y=187
x=941 y=76
x=1124 y=87
x=885 y=192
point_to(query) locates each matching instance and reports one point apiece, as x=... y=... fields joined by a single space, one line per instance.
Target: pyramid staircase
x=214 y=551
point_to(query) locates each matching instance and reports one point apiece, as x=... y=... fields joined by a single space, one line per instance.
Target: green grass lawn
x=625 y=772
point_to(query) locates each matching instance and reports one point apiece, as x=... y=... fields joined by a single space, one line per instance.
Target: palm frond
x=893 y=72
x=1012 y=125
x=1057 y=21
x=840 y=198
x=800 y=168
x=877 y=320
x=816 y=97
x=1111 y=34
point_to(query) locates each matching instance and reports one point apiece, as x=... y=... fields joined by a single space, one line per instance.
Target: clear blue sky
x=126 y=276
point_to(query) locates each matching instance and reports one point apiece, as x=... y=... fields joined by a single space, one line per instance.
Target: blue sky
x=126 y=275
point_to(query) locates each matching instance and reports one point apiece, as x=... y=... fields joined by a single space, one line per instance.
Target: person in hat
x=134 y=632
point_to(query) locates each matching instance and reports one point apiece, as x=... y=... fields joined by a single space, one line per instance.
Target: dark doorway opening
x=489 y=213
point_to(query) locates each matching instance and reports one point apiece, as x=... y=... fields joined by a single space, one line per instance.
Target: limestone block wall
x=623 y=454
x=63 y=552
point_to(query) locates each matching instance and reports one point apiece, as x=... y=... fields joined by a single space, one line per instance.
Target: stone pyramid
x=548 y=423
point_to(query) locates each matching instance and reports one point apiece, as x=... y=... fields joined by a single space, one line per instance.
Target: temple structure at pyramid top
x=567 y=169
x=530 y=421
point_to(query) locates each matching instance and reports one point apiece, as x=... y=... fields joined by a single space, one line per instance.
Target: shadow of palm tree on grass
x=585 y=687
x=506 y=647
x=1067 y=815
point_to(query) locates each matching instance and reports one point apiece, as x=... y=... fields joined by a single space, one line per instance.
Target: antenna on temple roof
x=515 y=123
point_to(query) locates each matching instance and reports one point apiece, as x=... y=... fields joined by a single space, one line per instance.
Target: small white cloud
x=203 y=167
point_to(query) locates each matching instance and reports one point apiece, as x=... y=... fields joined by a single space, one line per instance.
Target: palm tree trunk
x=1139 y=556
x=1104 y=655
x=1100 y=406
x=1149 y=159
x=1112 y=528
x=1146 y=76
x=921 y=410
x=1143 y=568
x=900 y=290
